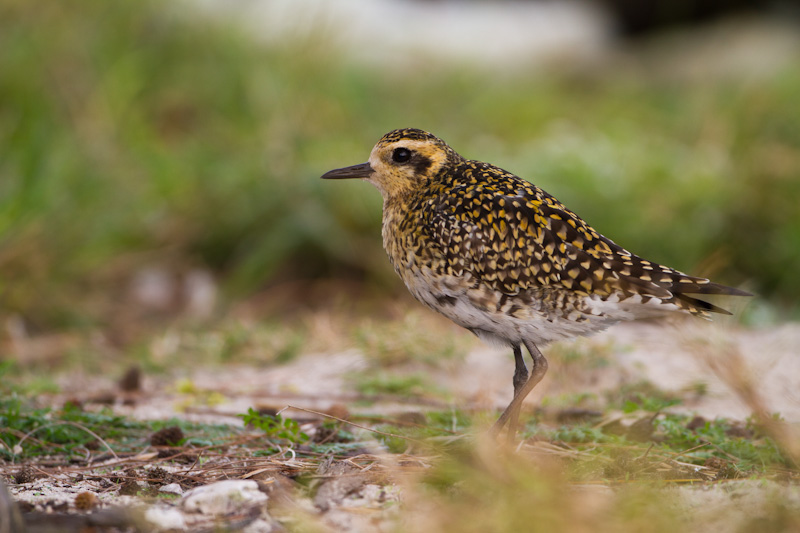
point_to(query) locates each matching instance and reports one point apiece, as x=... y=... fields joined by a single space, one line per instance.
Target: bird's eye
x=401 y=155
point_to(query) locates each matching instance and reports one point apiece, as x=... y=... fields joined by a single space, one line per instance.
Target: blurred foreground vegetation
x=133 y=136
x=662 y=472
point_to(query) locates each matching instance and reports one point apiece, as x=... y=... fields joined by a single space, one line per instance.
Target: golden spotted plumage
x=503 y=258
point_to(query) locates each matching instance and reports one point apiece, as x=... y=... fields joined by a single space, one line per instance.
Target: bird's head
x=402 y=161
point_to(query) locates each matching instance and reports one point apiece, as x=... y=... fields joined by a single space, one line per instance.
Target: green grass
x=70 y=431
x=133 y=137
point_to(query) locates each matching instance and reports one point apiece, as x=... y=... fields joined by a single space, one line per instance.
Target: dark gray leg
x=520 y=378
x=520 y=370
x=538 y=371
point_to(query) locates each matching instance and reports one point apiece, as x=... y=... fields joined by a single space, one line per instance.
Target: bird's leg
x=537 y=373
x=520 y=378
x=520 y=370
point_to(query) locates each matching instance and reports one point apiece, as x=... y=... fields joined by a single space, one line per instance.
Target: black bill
x=356 y=171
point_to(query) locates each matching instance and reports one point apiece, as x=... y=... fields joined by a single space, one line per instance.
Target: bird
x=504 y=259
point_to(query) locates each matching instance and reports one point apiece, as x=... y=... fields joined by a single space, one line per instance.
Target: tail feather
x=703 y=286
x=699 y=307
x=634 y=275
x=682 y=289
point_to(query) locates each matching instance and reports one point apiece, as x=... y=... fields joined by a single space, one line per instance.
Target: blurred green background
x=135 y=139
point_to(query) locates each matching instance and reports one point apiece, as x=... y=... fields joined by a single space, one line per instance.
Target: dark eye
x=401 y=155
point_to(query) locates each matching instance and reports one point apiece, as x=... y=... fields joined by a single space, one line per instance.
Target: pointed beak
x=356 y=171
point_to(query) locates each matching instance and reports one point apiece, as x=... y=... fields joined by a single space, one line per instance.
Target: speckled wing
x=513 y=236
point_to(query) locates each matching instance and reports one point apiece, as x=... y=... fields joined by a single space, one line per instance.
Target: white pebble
x=223 y=497
x=172 y=488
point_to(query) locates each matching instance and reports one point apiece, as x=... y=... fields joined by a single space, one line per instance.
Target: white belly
x=510 y=321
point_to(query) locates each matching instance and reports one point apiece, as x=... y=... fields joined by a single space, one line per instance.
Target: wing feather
x=512 y=236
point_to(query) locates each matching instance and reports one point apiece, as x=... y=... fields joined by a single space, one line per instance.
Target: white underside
x=476 y=310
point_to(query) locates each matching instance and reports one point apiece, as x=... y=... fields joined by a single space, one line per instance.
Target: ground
x=381 y=436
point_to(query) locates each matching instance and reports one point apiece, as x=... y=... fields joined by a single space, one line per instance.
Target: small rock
x=172 y=488
x=165 y=518
x=223 y=497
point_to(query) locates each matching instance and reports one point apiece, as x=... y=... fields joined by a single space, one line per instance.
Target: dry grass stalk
x=725 y=360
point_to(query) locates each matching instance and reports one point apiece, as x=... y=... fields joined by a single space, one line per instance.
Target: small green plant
x=274 y=426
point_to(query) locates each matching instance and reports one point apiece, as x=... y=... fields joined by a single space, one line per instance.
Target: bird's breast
x=405 y=240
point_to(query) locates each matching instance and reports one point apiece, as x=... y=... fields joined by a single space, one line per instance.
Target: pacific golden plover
x=502 y=258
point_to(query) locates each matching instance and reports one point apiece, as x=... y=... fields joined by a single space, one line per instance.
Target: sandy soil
x=679 y=357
